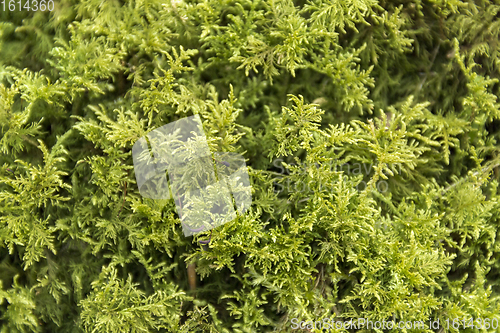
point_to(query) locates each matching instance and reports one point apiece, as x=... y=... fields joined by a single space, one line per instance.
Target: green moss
x=370 y=131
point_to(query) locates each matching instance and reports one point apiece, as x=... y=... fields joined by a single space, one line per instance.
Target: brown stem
x=29 y=140
x=124 y=195
x=191 y=270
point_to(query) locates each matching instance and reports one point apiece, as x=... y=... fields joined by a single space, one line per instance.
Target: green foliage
x=122 y=307
x=370 y=130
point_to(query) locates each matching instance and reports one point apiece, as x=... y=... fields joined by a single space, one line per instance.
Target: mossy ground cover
x=370 y=130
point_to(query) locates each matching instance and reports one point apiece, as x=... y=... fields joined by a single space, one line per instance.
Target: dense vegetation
x=370 y=130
